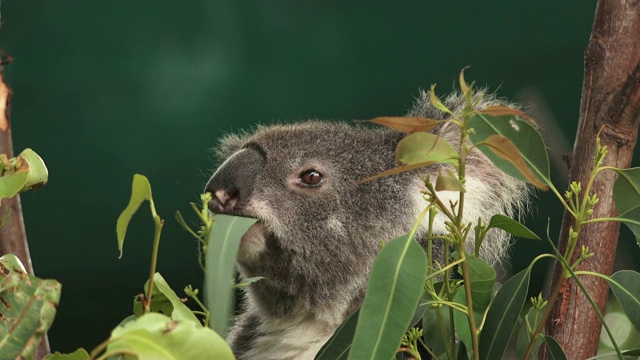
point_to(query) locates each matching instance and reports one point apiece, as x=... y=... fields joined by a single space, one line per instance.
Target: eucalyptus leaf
x=432 y=334
x=224 y=241
x=80 y=354
x=522 y=134
x=523 y=339
x=503 y=315
x=625 y=286
x=507 y=150
x=449 y=182
x=626 y=194
x=511 y=226
x=482 y=277
x=338 y=346
x=165 y=301
x=156 y=336
x=140 y=191
x=425 y=147
x=554 y=350
x=12 y=184
x=394 y=289
x=28 y=309
x=408 y=125
x=461 y=320
x=38 y=174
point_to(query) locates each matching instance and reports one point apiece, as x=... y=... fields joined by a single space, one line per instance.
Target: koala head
x=319 y=230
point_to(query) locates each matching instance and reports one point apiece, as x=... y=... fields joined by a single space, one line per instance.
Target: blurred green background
x=103 y=90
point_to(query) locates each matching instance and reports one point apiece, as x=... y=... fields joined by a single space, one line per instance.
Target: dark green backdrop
x=107 y=89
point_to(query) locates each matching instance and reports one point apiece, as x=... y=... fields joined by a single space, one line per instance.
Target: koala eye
x=311 y=178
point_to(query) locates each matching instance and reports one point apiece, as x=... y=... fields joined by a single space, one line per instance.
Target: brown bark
x=610 y=105
x=13 y=237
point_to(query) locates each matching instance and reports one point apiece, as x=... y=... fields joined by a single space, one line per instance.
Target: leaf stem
x=154 y=256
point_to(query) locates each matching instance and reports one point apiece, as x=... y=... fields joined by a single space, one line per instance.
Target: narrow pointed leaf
x=338 y=346
x=27 y=309
x=425 y=147
x=526 y=138
x=502 y=110
x=503 y=316
x=507 y=150
x=625 y=285
x=554 y=350
x=511 y=226
x=140 y=191
x=224 y=241
x=407 y=125
x=393 y=292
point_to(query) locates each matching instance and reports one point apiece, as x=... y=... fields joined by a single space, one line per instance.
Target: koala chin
x=319 y=229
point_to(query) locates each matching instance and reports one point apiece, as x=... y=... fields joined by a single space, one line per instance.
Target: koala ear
x=229 y=144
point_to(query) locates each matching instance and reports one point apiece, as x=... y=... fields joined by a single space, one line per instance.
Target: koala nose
x=222 y=201
x=232 y=184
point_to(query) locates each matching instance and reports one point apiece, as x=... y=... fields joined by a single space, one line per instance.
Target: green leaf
x=432 y=334
x=12 y=184
x=625 y=285
x=626 y=194
x=503 y=315
x=425 y=147
x=461 y=320
x=165 y=301
x=462 y=352
x=511 y=226
x=393 y=292
x=156 y=336
x=38 y=174
x=248 y=281
x=522 y=134
x=482 y=276
x=449 y=182
x=24 y=172
x=555 y=351
x=80 y=354
x=140 y=191
x=338 y=346
x=523 y=339
x=28 y=309
x=224 y=241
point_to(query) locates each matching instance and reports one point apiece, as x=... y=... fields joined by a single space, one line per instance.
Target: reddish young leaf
x=506 y=149
x=502 y=110
x=407 y=125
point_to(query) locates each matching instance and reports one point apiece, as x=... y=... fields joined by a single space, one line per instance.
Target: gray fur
x=315 y=246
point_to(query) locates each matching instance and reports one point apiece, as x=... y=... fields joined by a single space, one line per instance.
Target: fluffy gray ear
x=229 y=144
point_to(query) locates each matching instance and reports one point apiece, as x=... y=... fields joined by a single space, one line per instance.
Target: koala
x=320 y=228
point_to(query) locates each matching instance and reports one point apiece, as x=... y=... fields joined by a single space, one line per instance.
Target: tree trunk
x=13 y=238
x=610 y=106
